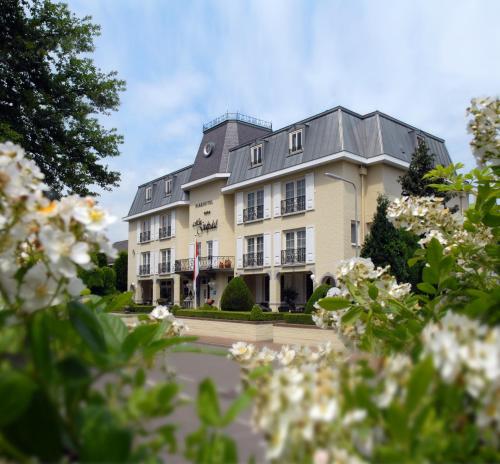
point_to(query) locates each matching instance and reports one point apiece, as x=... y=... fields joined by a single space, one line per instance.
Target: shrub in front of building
x=229 y=315
x=298 y=318
x=237 y=296
x=319 y=292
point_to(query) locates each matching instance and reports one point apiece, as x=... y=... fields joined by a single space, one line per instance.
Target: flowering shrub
x=74 y=380
x=420 y=378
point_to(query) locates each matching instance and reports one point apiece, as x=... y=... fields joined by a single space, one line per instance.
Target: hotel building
x=257 y=204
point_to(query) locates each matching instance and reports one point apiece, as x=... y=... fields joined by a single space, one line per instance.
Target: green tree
x=52 y=94
x=386 y=245
x=413 y=182
x=237 y=296
x=100 y=280
x=121 y=270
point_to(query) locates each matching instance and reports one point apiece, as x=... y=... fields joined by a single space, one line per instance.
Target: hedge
x=228 y=315
x=140 y=308
x=237 y=296
x=298 y=318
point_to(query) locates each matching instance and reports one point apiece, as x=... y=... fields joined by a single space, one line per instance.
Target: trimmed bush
x=207 y=307
x=140 y=308
x=256 y=314
x=319 y=293
x=229 y=315
x=298 y=318
x=237 y=296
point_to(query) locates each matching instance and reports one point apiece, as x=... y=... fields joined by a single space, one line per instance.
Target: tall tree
x=386 y=245
x=121 y=269
x=51 y=94
x=413 y=182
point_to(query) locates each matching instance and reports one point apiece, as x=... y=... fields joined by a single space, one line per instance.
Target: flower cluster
x=175 y=327
x=43 y=242
x=485 y=126
x=467 y=352
x=354 y=278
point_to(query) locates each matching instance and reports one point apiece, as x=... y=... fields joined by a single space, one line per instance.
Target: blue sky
x=186 y=62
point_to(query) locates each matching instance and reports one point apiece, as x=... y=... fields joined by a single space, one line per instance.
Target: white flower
x=321 y=456
x=161 y=312
x=95 y=219
x=334 y=291
x=286 y=355
x=324 y=411
x=354 y=416
x=278 y=439
x=242 y=351
x=38 y=289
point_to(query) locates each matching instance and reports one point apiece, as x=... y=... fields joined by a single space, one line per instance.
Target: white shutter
x=215 y=253
x=277 y=248
x=172 y=260
x=239 y=207
x=267 y=249
x=267 y=201
x=138 y=230
x=239 y=252
x=172 y=223
x=277 y=199
x=154 y=262
x=191 y=251
x=155 y=225
x=310 y=190
x=138 y=261
x=310 y=244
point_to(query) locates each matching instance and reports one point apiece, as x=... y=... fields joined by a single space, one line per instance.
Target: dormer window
x=168 y=186
x=295 y=141
x=256 y=155
x=149 y=193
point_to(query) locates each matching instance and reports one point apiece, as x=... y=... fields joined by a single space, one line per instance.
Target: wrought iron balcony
x=253 y=213
x=237 y=117
x=293 y=205
x=145 y=236
x=293 y=256
x=144 y=269
x=253 y=259
x=165 y=232
x=164 y=268
x=206 y=263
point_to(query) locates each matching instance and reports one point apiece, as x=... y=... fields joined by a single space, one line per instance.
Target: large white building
x=258 y=204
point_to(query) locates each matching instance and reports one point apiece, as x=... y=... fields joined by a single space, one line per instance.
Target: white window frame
x=149 y=193
x=210 y=248
x=357 y=229
x=256 y=155
x=168 y=186
x=291 y=136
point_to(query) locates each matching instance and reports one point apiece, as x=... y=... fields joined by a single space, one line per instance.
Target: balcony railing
x=207 y=263
x=145 y=236
x=164 y=268
x=253 y=259
x=144 y=269
x=293 y=256
x=253 y=213
x=237 y=117
x=293 y=205
x=165 y=232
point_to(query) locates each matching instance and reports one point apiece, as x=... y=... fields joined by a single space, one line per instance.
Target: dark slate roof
x=159 y=198
x=331 y=132
x=226 y=135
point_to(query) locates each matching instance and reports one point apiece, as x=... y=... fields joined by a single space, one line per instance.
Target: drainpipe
x=362 y=174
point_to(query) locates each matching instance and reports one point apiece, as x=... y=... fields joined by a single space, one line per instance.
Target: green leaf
x=40 y=344
x=207 y=403
x=236 y=407
x=373 y=291
x=73 y=371
x=430 y=275
x=158 y=345
x=114 y=329
x=85 y=322
x=426 y=288
x=334 y=303
x=140 y=336
x=419 y=382
x=434 y=253
x=119 y=302
x=352 y=314
x=16 y=390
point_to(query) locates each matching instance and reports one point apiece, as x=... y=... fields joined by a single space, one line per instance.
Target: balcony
x=253 y=213
x=164 y=268
x=144 y=270
x=207 y=263
x=164 y=232
x=145 y=236
x=293 y=256
x=253 y=259
x=293 y=205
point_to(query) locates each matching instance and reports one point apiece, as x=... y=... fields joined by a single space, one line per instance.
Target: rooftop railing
x=237 y=117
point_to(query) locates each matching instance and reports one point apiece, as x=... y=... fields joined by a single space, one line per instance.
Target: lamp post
x=356 y=222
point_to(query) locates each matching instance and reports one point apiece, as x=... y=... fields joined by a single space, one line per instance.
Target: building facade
x=257 y=204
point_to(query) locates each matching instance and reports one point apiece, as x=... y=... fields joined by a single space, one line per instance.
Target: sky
x=186 y=62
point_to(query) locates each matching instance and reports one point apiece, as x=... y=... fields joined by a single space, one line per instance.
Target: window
x=145 y=234
x=210 y=248
x=144 y=268
x=255 y=252
x=165 y=257
x=295 y=197
x=295 y=247
x=256 y=155
x=255 y=206
x=198 y=248
x=354 y=233
x=168 y=186
x=165 y=226
x=295 y=141
x=149 y=193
